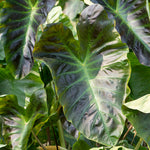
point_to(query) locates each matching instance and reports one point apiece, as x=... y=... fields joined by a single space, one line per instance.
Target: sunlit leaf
x=132 y=22
x=20 y=19
x=71 y=7
x=2 y=145
x=137 y=112
x=90 y=74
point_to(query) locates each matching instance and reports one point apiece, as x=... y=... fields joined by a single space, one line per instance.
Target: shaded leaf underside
x=91 y=83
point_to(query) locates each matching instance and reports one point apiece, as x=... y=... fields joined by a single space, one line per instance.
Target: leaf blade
x=87 y=79
x=20 y=20
x=132 y=22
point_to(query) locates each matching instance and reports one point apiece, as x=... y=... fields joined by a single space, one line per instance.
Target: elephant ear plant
x=132 y=23
x=90 y=74
x=19 y=22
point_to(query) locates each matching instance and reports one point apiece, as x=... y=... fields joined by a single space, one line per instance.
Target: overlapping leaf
x=20 y=19
x=132 y=22
x=21 y=120
x=90 y=76
x=138 y=114
x=139 y=82
x=21 y=88
x=71 y=7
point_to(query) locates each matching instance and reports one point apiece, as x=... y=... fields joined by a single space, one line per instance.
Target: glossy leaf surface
x=90 y=75
x=20 y=19
x=138 y=113
x=132 y=22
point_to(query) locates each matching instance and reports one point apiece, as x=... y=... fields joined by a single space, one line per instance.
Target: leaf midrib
x=26 y=39
x=96 y=101
x=128 y=25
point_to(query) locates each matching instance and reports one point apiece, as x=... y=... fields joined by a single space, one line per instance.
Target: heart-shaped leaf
x=90 y=75
x=132 y=22
x=20 y=19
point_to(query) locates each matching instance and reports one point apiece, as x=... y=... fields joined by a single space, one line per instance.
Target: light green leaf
x=132 y=22
x=71 y=7
x=142 y=104
x=2 y=145
x=137 y=112
x=91 y=79
x=114 y=148
x=56 y=15
x=20 y=19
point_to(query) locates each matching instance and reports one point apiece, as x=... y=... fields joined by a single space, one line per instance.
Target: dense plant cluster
x=74 y=74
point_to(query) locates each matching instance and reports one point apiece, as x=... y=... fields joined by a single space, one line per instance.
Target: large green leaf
x=23 y=120
x=139 y=82
x=73 y=9
x=132 y=22
x=90 y=76
x=138 y=114
x=21 y=88
x=20 y=19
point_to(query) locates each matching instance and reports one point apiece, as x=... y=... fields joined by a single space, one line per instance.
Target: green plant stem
x=61 y=134
x=138 y=144
x=55 y=138
x=38 y=140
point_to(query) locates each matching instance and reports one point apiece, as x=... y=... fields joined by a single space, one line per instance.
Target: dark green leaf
x=2 y=55
x=20 y=88
x=140 y=78
x=45 y=74
x=80 y=145
x=132 y=22
x=2 y=145
x=90 y=80
x=20 y=19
